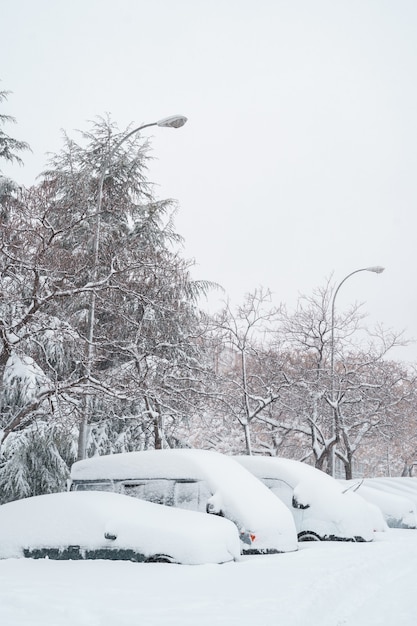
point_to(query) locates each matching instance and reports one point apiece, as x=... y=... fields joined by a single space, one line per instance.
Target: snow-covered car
x=398 y=509
x=405 y=486
x=89 y=525
x=322 y=510
x=199 y=480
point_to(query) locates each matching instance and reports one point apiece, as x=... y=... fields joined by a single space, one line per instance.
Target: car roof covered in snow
x=288 y=470
x=176 y=463
x=405 y=486
x=398 y=510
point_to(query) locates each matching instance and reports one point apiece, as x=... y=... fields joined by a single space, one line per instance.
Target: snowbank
x=323 y=583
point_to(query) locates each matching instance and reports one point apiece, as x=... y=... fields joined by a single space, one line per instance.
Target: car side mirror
x=213 y=510
x=298 y=505
x=110 y=536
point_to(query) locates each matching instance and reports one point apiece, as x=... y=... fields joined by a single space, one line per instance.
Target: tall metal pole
x=175 y=121
x=377 y=270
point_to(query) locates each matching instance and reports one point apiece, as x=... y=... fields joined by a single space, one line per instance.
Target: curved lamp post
x=174 y=121
x=377 y=269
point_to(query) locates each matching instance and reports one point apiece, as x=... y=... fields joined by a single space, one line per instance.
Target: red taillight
x=252 y=536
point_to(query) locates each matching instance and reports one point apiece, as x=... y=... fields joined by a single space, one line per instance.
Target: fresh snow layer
x=323 y=583
x=235 y=491
x=83 y=518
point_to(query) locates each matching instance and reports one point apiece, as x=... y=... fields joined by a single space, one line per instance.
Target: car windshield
x=183 y=494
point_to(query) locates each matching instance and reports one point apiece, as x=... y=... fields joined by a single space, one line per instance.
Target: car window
x=191 y=495
x=92 y=486
x=281 y=489
x=157 y=491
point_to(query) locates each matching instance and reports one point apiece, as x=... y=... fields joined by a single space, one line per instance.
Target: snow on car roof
x=82 y=518
x=289 y=470
x=178 y=463
x=235 y=491
x=401 y=485
x=398 y=510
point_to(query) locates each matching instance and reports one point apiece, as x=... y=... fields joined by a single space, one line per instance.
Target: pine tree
x=35 y=461
x=146 y=372
x=8 y=145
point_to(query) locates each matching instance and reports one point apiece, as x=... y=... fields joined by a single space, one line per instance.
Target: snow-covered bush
x=35 y=461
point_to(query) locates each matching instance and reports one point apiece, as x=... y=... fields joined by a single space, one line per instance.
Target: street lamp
x=174 y=121
x=377 y=269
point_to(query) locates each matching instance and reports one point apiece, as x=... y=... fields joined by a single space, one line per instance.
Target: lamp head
x=377 y=269
x=174 y=121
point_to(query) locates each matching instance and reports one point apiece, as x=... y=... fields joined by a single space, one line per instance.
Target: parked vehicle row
x=152 y=506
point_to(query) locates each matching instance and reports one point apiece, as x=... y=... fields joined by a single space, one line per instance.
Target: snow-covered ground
x=326 y=584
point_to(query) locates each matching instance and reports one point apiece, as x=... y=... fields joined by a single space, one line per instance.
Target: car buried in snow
x=405 y=486
x=321 y=508
x=393 y=499
x=198 y=480
x=87 y=525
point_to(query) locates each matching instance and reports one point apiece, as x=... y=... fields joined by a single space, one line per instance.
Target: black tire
x=308 y=535
x=160 y=558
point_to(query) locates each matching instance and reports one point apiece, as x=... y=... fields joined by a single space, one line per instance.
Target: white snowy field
x=326 y=584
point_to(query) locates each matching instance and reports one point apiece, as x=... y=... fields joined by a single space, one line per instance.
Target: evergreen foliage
x=146 y=374
x=35 y=461
x=8 y=145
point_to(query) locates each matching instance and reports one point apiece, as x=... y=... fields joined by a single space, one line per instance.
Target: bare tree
x=372 y=393
x=250 y=375
x=335 y=409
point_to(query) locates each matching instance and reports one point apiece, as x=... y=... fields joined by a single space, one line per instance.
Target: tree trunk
x=247 y=439
x=349 y=467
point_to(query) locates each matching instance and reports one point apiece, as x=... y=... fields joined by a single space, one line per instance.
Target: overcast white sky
x=299 y=159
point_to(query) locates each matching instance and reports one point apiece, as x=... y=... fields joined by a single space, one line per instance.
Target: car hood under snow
x=85 y=519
